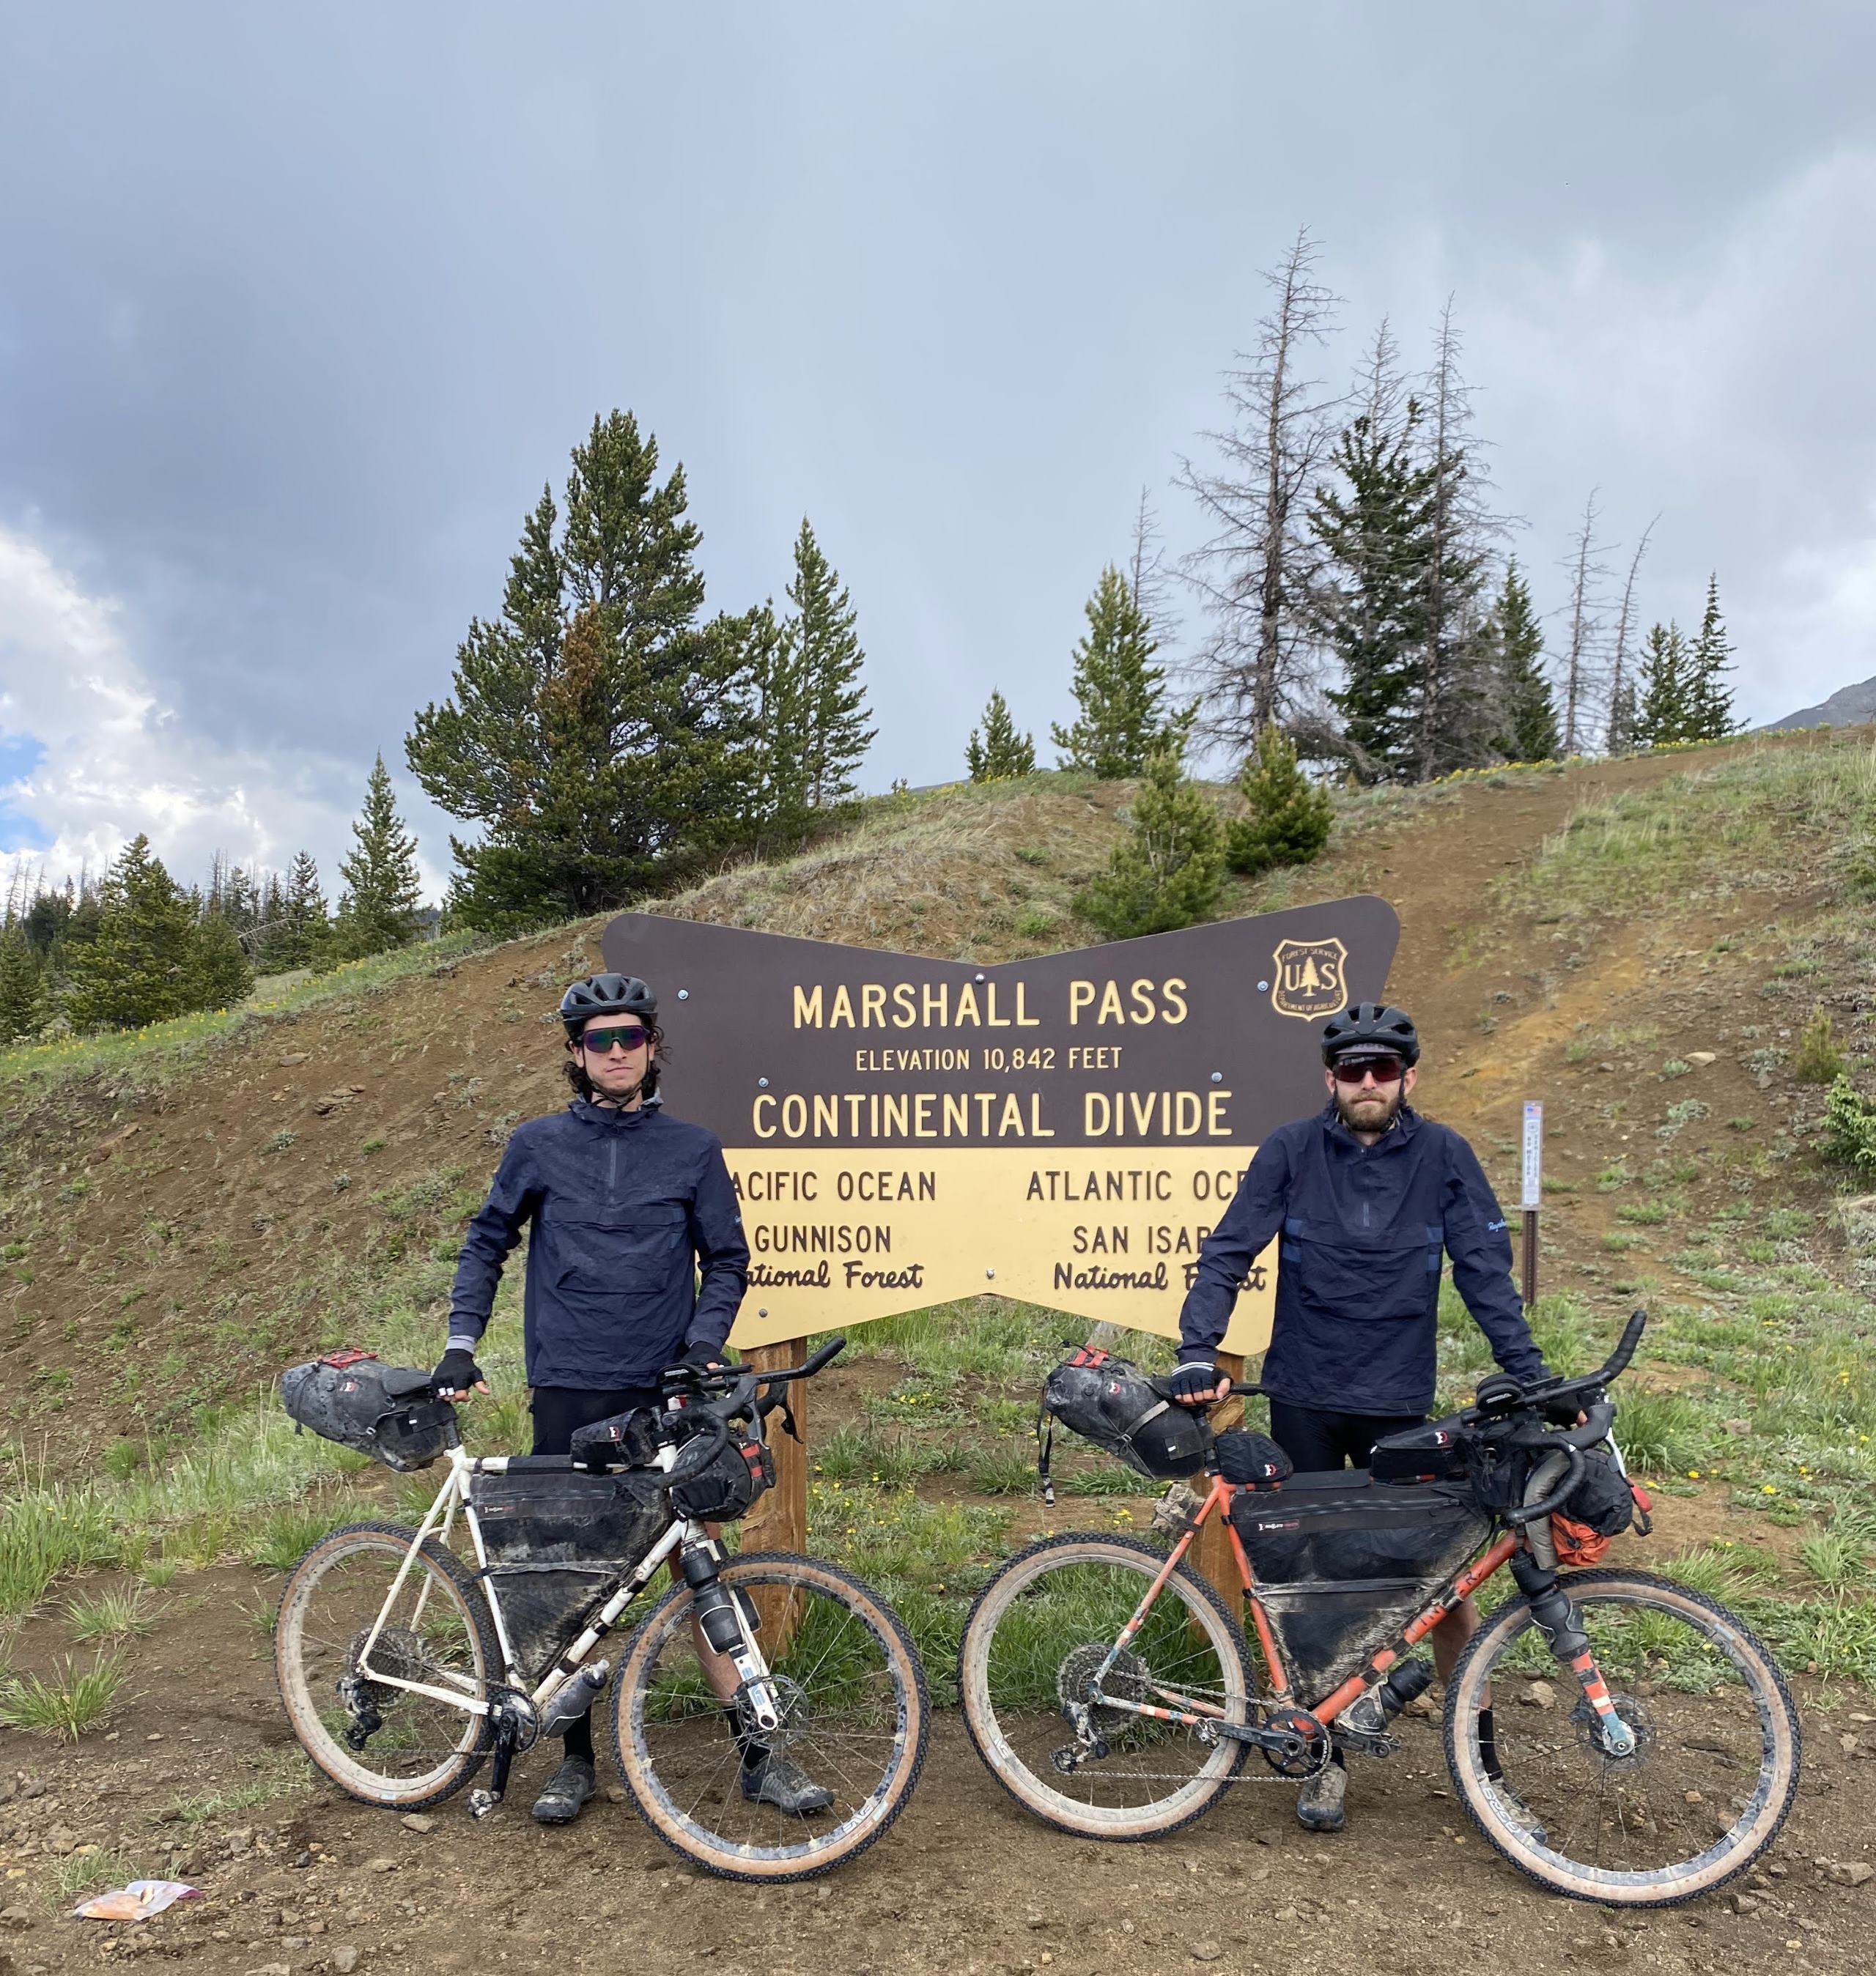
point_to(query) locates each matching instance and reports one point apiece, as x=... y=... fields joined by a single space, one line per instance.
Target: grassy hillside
x=1640 y=943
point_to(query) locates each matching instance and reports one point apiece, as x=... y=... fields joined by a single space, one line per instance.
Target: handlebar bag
x=387 y=1411
x=1604 y=1501
x=1342 y=1563
x=1111 y=1402
x=557 y=1545
x=727 y=1486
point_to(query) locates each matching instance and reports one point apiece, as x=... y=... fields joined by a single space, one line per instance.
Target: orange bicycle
x=1110 y=1688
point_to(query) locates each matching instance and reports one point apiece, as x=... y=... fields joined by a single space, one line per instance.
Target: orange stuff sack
x=1577 y=1544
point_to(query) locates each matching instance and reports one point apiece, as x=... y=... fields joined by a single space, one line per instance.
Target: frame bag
x=558 y=1545
x=1342 y=1563
x=387 y=1411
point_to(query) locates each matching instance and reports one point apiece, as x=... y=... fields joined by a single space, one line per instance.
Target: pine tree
x=1620 y=737
x=1710 y=698
x=297 y=931
x=835 y=734
x=779 y=798
x=1530 y=720
x=218 y=973
x=1120 y=692
x=22 y=986
x=1169 y=872
x=137 y=968
x=1662 y=716
x=1374 y=529
x=1001 y=753
x=1460 y=712
x=1290 y=817
x=597 y=728
x=380 y=906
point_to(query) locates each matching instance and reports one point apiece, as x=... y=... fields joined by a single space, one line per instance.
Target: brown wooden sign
x=1065 y=1130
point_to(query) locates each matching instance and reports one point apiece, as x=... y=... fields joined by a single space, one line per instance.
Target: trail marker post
x=1533 y=1193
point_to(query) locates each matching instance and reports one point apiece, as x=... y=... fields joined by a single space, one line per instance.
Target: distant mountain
x=1849 y=707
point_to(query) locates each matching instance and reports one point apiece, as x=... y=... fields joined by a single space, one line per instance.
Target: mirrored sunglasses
x=628 y=1036
x=1384 y=1069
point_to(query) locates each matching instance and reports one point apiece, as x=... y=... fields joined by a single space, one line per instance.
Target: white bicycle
x=402 y=1665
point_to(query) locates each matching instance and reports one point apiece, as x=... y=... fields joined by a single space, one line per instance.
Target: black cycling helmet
x=606 y=995
x=1370 y=1028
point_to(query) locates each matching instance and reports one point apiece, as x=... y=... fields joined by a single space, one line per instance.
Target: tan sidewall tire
x=332 y=1758
x=1065 y=1813
x=1474 y=1669
x=773 y=1567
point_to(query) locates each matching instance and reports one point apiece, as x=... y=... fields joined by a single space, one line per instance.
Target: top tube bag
x=1342 y=1563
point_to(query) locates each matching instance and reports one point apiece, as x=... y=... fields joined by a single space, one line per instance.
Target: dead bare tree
x=1255 y=573
x=1579 y=680
x=1622 y=688
x=1149 y=583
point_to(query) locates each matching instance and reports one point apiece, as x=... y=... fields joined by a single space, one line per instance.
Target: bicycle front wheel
x=381 y=1744
x=855 y=1718
x=1038 y=1635
x=1715 y=1766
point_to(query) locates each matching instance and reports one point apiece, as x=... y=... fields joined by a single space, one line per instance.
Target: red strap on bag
x=342 y=1359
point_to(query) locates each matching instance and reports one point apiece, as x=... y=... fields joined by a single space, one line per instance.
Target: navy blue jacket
x=626 y=1208
x=1358 y=1268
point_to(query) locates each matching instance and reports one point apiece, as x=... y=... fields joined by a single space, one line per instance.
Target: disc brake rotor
x=1125 y=1681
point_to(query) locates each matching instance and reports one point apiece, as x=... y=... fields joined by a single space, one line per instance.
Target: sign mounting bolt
x=762 y=1313
x=684 y=994
x=762 y=1084
x=980 y=977
x=1217 y=1077
x=990 y=1272
x=1263 y=987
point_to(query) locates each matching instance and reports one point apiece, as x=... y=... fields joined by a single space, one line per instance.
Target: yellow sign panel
x=1106 y=1236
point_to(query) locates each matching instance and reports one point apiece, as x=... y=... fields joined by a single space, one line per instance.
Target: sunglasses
x=1384 y=1069
x=628 y=1035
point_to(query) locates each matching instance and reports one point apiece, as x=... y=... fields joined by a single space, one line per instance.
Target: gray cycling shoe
x=778 y=1781
x=1319 y=1804
x=568 y=1789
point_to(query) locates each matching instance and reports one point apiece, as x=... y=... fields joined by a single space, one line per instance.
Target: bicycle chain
x=1263 y=1774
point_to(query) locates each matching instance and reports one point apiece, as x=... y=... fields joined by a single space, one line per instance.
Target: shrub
x=1170 y=870
x=1849 y=1133
x=1817 y=1060
x=1290 y=817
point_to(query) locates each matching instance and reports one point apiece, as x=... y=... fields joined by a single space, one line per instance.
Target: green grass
x=65 y=1704
x=120 y=1614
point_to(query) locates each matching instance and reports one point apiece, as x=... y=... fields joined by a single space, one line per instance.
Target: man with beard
x=636 y=1262
x=1366 y=1195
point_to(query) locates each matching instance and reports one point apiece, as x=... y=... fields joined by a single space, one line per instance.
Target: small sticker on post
x=1534 y=1155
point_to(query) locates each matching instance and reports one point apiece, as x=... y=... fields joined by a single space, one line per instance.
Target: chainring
x=1126 y=1681
x=1315 y=1739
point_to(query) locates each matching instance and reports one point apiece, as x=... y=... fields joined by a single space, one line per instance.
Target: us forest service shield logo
x=1310 y=978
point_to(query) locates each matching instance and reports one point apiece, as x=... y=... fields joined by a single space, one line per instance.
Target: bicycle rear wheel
x=1716 y=1765
x=1037 y=1636
x=855 y=1718
x=384 y=1745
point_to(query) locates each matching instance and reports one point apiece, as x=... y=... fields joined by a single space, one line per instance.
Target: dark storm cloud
x=299 y=307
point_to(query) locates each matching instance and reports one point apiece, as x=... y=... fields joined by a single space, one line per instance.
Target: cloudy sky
x=300 y=306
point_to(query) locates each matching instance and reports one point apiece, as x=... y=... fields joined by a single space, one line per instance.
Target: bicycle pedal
x=481 y=1802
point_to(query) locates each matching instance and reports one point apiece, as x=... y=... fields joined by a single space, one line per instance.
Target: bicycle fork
x=729 y=1621
x=1558 y=1620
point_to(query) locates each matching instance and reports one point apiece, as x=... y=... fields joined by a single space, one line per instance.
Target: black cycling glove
x=457 y=1372
x=699 y=1357
x=1196 y=1379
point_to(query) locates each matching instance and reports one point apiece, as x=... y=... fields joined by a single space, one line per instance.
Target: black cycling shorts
x=559 y=1410
x=1317 y=1439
